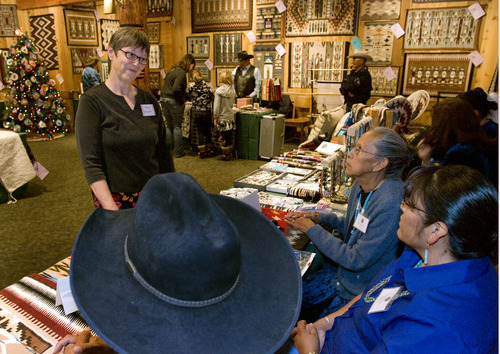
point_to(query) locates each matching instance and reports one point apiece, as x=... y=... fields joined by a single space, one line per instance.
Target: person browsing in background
x=173 y=97
x=486 y=108
x=211 y=274
x=441 y=295
x=357 y=85
x=457 y=138
x=202 y=98
x=119 y=128
x=246 y=77
x=90 y=76
x=224 y=116
x=368 y=228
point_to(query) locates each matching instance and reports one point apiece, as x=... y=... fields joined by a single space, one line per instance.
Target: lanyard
x=357 y=212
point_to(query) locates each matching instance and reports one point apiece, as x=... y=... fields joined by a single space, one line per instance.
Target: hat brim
x=258 y=317
x=247 y=57
x=364 y=56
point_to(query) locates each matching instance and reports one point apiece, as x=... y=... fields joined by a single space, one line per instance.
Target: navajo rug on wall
x=43 y=34
x=8 y=20
x=320 y=18
x=108 y=27
x=305 y=56
x=160 y=8
x=453 y=28
x=221 y=15
x=268 y=23
x=375 y=10
x=269 y=62
x=377 y=40
x=381 y=86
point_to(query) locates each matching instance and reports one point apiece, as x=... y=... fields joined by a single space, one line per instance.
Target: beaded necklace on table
x=368 y=296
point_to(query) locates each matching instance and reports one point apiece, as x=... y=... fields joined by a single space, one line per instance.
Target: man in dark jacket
x=246 y=77
x=357 y=86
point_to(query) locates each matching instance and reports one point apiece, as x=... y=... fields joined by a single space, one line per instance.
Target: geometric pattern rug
x=221 y=15
x=375 y=10
x=8 y=20
x=377 y=40
x=43 y=35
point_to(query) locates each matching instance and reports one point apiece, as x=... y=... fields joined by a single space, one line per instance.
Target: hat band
x=169 y=299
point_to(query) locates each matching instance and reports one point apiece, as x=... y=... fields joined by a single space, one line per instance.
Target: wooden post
x=133 y=14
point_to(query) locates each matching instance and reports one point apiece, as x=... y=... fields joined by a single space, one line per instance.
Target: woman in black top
x=119 y=128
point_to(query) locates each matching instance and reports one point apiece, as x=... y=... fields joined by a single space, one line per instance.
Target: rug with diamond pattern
x=44 y=35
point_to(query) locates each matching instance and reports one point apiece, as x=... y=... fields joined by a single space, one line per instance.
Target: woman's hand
x=302 y=220
x=307 y=338
x=82 y=342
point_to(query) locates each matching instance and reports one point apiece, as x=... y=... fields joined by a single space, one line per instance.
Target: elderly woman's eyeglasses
x=131 y=56
x=356 y=150
x=412 y=206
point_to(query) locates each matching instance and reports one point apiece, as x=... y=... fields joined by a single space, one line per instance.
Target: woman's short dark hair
x=464 y=200
x=185 y=62
x=478 y=99
x=391 y=146
x=129 y=37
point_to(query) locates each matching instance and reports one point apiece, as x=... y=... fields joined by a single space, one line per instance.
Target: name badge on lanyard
x=361 y=222
x=385 y=299
x=148 y=110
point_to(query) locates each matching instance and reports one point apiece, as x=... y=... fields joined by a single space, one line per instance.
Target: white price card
x=99 y=52
x=40 y=171
x=280 y=6
x=280 y=49
x=96 y=14
x=173 y=20
x=476 y=11
x=397 y=30
x=209 y=64
x=162 y=73
x=64 y=296
x=475 y=58
x=389 y=73
x=251 y=37
x=60 y=79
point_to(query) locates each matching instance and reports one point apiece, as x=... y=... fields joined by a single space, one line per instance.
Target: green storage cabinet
x=248 y=132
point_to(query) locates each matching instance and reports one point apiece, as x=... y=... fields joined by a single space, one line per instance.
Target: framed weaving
x=154 y=80
x=198 y=47
x=377 y=41
x=104 y=70
x=226 y=48
x=156 y=56
x=44 y=35
x=268 y=23
x=108 y=27
x=8 y=20
x=221 y=15
x=437 y=72
x=203 y=69
x=376 y=10
x=4 y=54
x=81 y=28
x=79 y=56
x=321 y=18
x=269 y=62
x=452 y=28
x=159 y=8
x=220 y=71
x=329 y=57
x=153 y=31
x=381 y=86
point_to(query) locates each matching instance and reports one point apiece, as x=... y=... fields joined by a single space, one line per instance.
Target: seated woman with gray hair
x=368 y=229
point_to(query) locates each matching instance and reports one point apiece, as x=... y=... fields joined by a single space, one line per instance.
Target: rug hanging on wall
x=268 y=23
x=440 y=29
x=43 y=34
x=376 y=10
x=305 y=56
x=221 y=15
x=79 y=56
x=8 y=20
x=269 y=62
x=108 y=27
x=382 y=86
x=160 y=8
x=320 y=18
x=377 y=41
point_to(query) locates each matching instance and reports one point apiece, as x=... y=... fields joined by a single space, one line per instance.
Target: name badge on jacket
x=148 y=110
x=361 y=223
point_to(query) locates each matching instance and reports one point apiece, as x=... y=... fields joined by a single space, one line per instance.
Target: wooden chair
x=300 y=121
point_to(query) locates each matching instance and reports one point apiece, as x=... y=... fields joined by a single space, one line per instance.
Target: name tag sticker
x=385 y=299
x=148 y=110
x=361 y=223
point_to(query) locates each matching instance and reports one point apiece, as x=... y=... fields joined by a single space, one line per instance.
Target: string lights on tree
x=32 y=103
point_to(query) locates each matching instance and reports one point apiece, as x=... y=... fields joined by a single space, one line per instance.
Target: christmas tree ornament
x=36 y=96
x=32 y=63
x=27 y=122
x=24 y=102
x=17 y=128
x=28 y=83
x=24 y=50
x=14 y=77
x=7 y=125
x=33 y=79
x=41 y=124
x=58 y=122
x=9 y=61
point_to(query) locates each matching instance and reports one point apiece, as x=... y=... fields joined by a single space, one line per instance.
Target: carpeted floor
x=39 y=230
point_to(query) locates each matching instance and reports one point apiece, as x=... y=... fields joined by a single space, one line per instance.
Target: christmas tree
x=32 y=103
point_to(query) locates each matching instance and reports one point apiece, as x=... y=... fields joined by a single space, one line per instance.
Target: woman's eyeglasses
x=412 y=206
x=356 y=150
x=131 y=56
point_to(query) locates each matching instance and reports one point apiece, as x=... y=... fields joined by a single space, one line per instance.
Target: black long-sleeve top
x=356 y=87
x=175 y=85
x=119 y=144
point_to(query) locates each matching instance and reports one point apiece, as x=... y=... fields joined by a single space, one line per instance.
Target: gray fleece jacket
x=223 y=103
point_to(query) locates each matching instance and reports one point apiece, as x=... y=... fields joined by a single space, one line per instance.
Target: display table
x=15 y=166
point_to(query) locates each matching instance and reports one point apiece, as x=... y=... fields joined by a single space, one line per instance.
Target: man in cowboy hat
x=90 y=76
x=183 y=272
x=357 y=86
x=245 y=77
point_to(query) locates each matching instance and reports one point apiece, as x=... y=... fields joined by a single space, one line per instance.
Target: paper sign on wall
x=397 y=30
x=251 y=37
x=476 y=11
x=280 y=49
x=280 y=6
x=209 y=64
x=162 y=73
x=356 y=43
x=60 y=79
x=475 y=58
x=389 y=73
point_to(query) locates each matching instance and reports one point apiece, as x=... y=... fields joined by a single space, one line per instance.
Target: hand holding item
x=82 y=342
x=304 y=214
x=306 y=338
